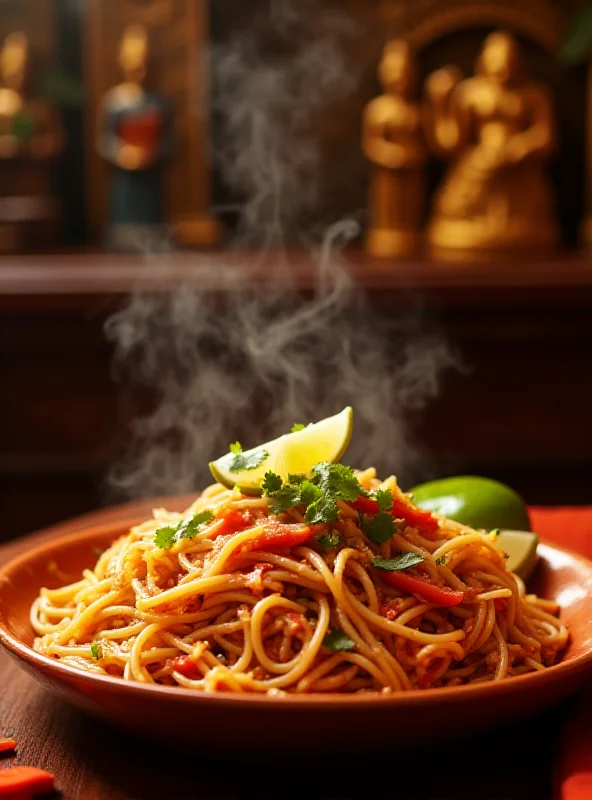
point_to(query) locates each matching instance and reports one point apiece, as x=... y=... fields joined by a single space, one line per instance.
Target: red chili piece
x=7 y=745
x=20 y=783
x=438 y=595
x=415 y=517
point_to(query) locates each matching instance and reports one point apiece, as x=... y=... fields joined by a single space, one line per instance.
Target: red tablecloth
x=571 y=528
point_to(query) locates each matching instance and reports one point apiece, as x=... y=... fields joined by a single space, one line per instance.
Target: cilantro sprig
x=245 y=461
x=337 y=639
x=320 y=493
x=378 y=528
x=297 y=426
x=334 y=482
x=271 y=483
x=166 y=537
x=329 y=540
x=384 y=498
x=399 y=563
x=96 y=651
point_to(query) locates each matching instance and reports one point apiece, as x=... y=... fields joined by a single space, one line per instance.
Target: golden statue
x=392 y=140
x=31 y=136
x=136 y=139
x=497 y=129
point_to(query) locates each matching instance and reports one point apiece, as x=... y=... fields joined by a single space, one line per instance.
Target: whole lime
x=475 y=501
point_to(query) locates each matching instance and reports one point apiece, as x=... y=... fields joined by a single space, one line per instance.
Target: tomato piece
x=391 y=608
x=24 y=782
x=438 y=595
x=234 y=521
x=187 y=667
x=7 y=745
x=254 y=579
x=279 y=536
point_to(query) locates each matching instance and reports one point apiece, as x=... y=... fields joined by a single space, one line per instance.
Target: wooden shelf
x=86 y=279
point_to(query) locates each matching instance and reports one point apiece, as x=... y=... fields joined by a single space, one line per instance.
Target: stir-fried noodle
x=242 y=600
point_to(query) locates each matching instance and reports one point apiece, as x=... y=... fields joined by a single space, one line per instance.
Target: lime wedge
x=291 y=454
x=521 y=547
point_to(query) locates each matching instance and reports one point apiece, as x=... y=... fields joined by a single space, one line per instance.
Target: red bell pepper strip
x=440 y=596
x=7 y=745
x=416 y=517
x=366 y=505
x=24 y=782
x=278 y=536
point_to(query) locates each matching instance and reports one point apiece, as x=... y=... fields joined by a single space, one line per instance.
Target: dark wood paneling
x=519 y=410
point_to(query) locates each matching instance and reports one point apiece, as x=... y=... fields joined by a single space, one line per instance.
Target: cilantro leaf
x=166 y=537
x=190 y=527
x=329 y=483
x=236 y=448
x=271 y=483
x=285 y=498
x=337 y=639
x=290 y=496
x=248 y=461
x=399 y=563
x=329 y=540
x=297 y=426
x=96 y=651
x=324 y=509
x=384 y=499
x=298 y=478
x=337 y=481
x=309 y=492
x=379 y=528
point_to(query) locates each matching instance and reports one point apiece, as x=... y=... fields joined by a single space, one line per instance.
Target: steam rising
x=268 y=105
x=234 y=356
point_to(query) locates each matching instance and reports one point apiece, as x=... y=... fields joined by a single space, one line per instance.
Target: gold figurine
x=136 y=139
x=497 y=130
x=392 y=140
x=31 y=136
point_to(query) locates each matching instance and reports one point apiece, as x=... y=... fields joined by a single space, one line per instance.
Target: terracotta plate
x=220 y=720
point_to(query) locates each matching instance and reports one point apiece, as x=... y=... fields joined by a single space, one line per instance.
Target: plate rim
x=415 y=697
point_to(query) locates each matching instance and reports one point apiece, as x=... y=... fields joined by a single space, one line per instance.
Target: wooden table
x=92 y=761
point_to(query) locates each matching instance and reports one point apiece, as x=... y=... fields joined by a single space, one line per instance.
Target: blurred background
x=218 y=219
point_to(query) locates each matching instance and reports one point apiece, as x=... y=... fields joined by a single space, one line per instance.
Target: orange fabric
x=567 y=527
x=571 y=528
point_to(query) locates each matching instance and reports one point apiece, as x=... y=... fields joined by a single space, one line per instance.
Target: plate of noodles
x=327 y=607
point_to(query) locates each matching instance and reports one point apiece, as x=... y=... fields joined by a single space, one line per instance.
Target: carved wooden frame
x=424 y=21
